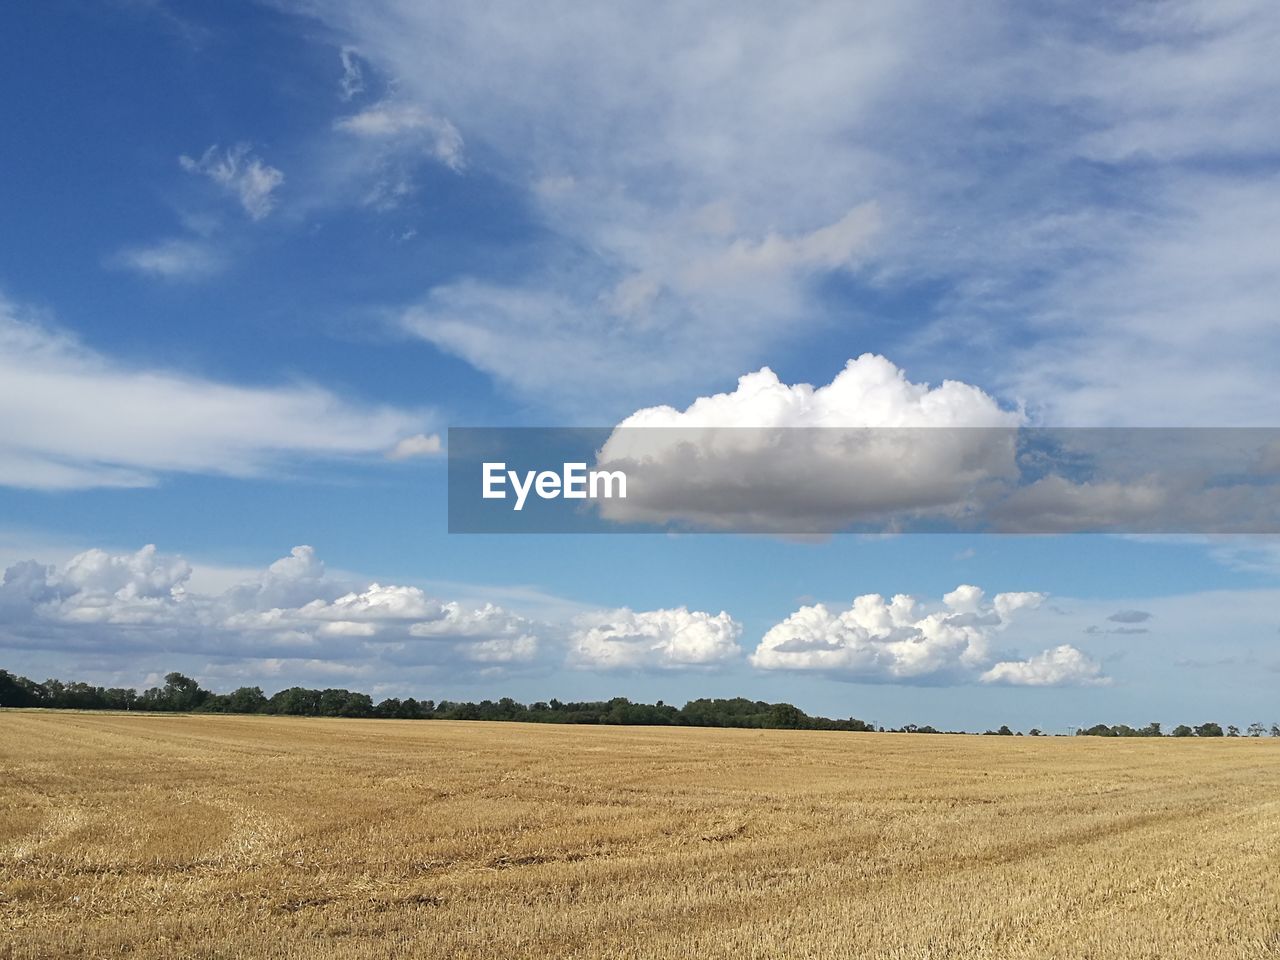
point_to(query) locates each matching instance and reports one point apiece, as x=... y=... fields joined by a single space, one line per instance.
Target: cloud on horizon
x=139 y=606
x=900 y=641
x=677 y=639
x=136 y=605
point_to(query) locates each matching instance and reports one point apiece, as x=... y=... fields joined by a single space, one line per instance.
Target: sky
x=257 y=258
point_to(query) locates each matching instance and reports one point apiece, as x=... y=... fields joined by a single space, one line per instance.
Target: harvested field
x=150 y=836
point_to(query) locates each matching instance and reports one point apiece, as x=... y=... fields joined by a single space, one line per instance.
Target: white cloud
x=295 y=613
x=869 y=392
x=96 y=588
x=1061 y=666
x=653 y=639
x=873 y=451
x=408 y=126
x=383 y=147
x=900 y=641
x=830 y=247
x=524 y=336
x=762 y=457
x=493 y=634
x=419 y=445
x=1083 y=188
x=137 y=603
x=239 y=173
x=1191 y=86
x=145 y=574
x=1249 y=554
x=692 y=312
x=1120 y=335
x=377 y=603
x=75 y=418
x=173 y=259
x=687 y=241
x=301 y=564
x=352 y=81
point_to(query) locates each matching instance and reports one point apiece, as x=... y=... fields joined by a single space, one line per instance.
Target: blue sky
x=250 y=248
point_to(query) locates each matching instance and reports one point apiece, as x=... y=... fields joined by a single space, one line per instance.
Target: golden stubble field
x=187 y=836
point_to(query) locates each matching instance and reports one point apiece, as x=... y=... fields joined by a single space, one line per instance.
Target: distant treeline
x=1181 y=730
x=181 y=694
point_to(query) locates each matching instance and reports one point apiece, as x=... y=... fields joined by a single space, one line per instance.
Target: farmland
x=153 y=836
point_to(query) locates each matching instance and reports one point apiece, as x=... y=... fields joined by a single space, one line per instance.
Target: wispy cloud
x=419 y=445
x=172 y=259
x=352 y=80
x=75 y=418
x=239 y=173
x=1083 y=188
x=393 y=139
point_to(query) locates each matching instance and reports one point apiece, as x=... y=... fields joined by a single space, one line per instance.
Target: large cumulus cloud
x=874 y=451
x=899 y=640
x=1062 y=666
x=797 y=458
x=140 y=602
x=654 y=639
x=294 y=617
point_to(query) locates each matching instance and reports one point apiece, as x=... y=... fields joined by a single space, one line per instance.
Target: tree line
x=182 y=694
x=1181 y=730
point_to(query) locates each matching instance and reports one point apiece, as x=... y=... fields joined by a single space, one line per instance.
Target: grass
x=208 y=836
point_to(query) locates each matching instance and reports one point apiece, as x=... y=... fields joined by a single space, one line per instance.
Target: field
x=186 y=836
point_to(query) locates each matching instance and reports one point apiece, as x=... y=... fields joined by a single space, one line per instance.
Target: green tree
x=247 y=700
x=785 y=716
x=53 y=693
x=332 y=701
x=296 y=702
x=182 y=693
x=357 y=705
x=120 y=698
x=19 y=691
x=410 y=709
x=1097 y=730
